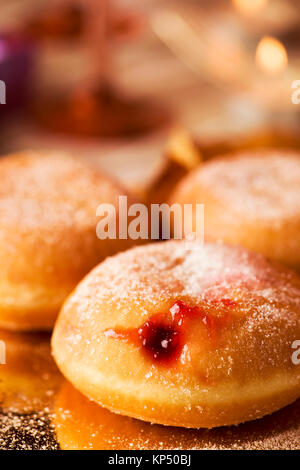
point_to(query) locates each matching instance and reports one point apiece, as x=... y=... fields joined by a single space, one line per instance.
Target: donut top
x=48 y=240
x=261 y=184
x=50 y=190
x=158 y=294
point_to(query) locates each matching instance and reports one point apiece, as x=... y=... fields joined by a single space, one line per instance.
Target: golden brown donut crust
x=81 y=424
x=246 y=373
x=251 y=199
x=48 y=236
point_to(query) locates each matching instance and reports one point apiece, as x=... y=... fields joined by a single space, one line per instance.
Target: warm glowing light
x=250 y=7
x=271 y=55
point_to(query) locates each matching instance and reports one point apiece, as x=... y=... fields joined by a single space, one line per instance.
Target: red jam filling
x=162 y=337
x=161 y=342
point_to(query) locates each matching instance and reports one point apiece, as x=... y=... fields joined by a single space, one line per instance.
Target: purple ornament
x=16 y=66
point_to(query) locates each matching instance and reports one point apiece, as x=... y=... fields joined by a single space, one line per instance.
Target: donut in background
x=48 y=238
x=252 y=199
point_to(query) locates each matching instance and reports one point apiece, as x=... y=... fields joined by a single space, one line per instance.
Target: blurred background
x=127 y=84
x=109 y=79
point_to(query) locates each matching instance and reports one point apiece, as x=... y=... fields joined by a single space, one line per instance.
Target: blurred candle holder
x=97 y=107
x=59 y=20
x=65 y=20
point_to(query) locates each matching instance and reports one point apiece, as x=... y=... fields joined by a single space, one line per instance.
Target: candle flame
x=271 y=55
x=250 y=7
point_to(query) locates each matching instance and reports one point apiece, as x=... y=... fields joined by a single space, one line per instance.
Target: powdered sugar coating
x=240 y=370
x=142 y=281
x=177 y=269
x=263 y=184
x=48 y=239
x=251 y=199
x=50 y=189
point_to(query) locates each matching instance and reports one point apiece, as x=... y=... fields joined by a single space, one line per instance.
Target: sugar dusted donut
x=184 y=335
x=251 y=199
x=48 y=238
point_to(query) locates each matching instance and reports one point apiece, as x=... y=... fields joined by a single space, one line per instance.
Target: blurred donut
x=183 y=335
x=250 y=199
x=48 y=238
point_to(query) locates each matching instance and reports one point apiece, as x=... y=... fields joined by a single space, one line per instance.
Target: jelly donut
x=48 y=239
x=182 y=334
x=251 y=199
